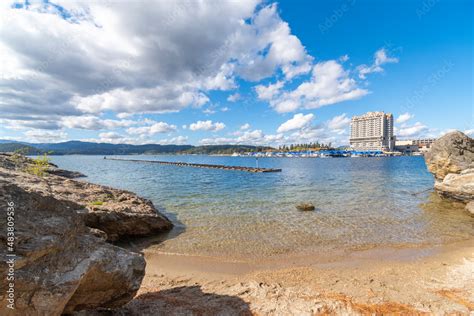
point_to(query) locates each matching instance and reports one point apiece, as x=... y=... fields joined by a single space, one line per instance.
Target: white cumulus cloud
x=329 y=84
x=245 y=127
x=380 y=58
x=416 y=130
x=156 y=128
x=206 y=126
x=233 y=97
x=403 y=118
x=90 y=122
x=339 y=122
x=270 y=91
x=297 y=122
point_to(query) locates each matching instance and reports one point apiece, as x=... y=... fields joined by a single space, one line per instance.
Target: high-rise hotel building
x=372 y=131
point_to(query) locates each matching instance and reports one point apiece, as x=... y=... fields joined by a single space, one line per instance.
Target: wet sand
x=402 y=280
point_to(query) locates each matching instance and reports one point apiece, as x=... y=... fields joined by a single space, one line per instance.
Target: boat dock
x=201 y=165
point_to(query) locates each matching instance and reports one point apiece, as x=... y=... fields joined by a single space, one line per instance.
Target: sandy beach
x=405 y=280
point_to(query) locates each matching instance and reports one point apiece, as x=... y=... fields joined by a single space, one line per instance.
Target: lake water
x=360 y=203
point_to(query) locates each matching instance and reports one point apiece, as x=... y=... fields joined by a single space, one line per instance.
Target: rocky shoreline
x=63 y=260
x=117 y=213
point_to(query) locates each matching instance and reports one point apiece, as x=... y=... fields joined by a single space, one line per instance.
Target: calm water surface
x=361 y=202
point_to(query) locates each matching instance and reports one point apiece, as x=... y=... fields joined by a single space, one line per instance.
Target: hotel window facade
x=372 y=131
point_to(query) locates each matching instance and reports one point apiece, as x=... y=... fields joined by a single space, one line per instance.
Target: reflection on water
x=361 y=202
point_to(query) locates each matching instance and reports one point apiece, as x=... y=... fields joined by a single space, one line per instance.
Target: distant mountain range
x=90 y=148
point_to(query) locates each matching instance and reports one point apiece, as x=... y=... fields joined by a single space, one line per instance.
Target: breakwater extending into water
x=200 y=165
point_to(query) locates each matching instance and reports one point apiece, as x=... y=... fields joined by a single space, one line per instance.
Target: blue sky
x=249 y=72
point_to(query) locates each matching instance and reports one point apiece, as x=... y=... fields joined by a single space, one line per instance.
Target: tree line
x=305 y=147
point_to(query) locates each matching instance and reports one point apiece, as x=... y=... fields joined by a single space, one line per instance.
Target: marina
x=318 y=154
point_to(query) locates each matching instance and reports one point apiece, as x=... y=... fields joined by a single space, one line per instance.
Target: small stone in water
x=305 y=207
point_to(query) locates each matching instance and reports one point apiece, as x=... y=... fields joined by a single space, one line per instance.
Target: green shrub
x=97 y=203
x=39 y=166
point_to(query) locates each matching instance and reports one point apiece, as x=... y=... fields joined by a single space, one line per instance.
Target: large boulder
x=118 y=213
x=58 y=265
x=452 y=153
x=457 y=186
x=451 y=161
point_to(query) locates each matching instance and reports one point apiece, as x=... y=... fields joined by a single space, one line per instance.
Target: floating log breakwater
x=201 y=165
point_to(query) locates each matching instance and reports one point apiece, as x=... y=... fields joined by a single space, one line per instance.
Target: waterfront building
x=404 y=142
x=424 y=143
x=372 y=131
x=407 y=147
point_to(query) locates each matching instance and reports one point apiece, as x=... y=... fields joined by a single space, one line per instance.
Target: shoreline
x=342 y=259
x=415 y=280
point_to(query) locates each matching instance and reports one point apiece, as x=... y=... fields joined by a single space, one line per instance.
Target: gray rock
x=59 y=266
x=451 y=161
x=457 y=186
x=452 y=153
x=65 y=173
x=98 y=233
